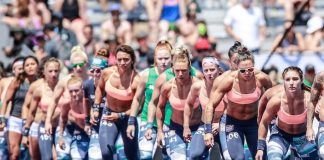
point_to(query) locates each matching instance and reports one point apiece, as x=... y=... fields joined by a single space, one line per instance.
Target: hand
x=48 y=128
x=2 y=126
x=94 y=118
x=148 y=134
x=130 y=131
x=160 y=139
x=187 y=134
x=62 y=143
x=87 y=129
x=259 y=155
x=24 y=141
x=209 y=140
x=215 y=128
x=112 y=117
x=310 y=134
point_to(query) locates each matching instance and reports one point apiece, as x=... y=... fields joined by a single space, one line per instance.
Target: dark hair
x=41 y=66
x=234 y=49
x=244 y=54
x=300 y=74
x=22 y=76
x=129 y=50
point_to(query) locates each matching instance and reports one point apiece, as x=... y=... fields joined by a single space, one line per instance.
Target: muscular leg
x=251 y=135
x=146 y=147
x=277 y=146
x=94 y=146
x=45 y=143
x=14 y=136
x=197 y=145
x=130 y=145
x=107 y=137
x=80 y=144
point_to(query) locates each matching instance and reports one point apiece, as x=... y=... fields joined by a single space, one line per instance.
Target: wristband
x=26 y=132
x=208 y=128
x=131 y=120
x=122 y=115
x=261 y=144
x=2 y=119
x=87 y=120
x=96 y=107
x=149 y=125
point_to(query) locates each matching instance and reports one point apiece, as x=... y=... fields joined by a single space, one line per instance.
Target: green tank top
x=149 y=87
x=168 y=109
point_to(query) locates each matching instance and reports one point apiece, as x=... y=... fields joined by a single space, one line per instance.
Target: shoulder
x=261 y=76
x=37 y=83
x=197 y=85
x=166 y=87
x=274 y=90
x=274 y=101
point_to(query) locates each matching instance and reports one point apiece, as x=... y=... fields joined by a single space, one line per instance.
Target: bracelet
x=261 y=144
x=149 y=125
x=26 y=132
x=208 y=128
x=96 y=107
x=122 y=115
x=131 y=120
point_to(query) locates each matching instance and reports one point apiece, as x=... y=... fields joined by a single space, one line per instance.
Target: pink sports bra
x=178 y=103
x=120 y=94
x=42 y=106
x=203 y=99
x=243 y=98
x=77 y=115
x=291 y=119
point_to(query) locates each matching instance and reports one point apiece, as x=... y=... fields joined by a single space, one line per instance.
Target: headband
x=17 y=63
x=211 y=60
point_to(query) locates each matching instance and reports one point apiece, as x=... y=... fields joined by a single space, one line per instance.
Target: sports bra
x=203 y=99
x=178 y=103
x=77 y=115
x=42 y=106
x=120 y=94
x=243 y=98
x=291 y=119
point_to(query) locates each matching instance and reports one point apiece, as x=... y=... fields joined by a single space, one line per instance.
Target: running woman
x=32 y=139
x=73 y=139
x=61 y=96
x=17 y=68
x=176 y=91
x=162 y=61
x=201 y=90
x=38 y=108
x=243 y=88
x=97 y=65
x=289 y=131
x=317 y=93
x=119 y=82
x=16 y=93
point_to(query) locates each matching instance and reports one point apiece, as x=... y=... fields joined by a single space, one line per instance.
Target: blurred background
x=209 y=27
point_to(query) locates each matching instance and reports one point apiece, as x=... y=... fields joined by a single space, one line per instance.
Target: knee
x=275 y=152
x=107 y=152
x=195 y=153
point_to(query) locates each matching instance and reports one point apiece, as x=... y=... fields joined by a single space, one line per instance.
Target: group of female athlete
x=168 y=111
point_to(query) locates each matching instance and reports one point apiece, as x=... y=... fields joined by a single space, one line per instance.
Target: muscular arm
x=33 y=108
x=9 y=96
x=316 y=90
x=134 y=88
x=28 y=99
x=265 y=81
x=270 y=112
x=155 y=97
x=216 y=97
x=58 y=92
x=161 y=106
x=63 y=119
x=192 y=96
x=139 y=94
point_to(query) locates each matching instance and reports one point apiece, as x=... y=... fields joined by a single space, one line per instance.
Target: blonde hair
x=181 y=54
x=74 y=80
x=77 y=51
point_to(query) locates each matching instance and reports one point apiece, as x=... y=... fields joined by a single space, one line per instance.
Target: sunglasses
x=247 y=69
x=95 y=70
x=75 y=65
